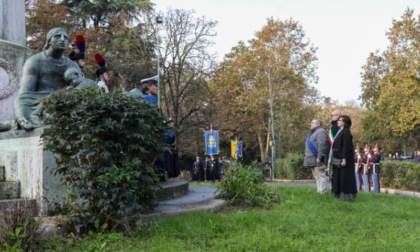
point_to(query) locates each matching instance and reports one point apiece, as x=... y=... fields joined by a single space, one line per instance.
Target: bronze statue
x=43 y=74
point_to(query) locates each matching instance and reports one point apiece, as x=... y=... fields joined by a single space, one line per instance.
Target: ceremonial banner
x=233 y=149
x=212 y=142
x=239 y=148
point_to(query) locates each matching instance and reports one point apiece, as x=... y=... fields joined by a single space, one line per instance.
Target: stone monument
x=25 y=167
x=13 y=53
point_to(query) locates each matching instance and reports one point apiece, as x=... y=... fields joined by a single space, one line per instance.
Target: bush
x=106 y=146
x=243 y=186
x=291 y=167
x=400 y=175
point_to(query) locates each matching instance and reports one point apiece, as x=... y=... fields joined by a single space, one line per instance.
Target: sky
x=344 y=31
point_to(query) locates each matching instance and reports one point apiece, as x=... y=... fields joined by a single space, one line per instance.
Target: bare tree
x=185 y=67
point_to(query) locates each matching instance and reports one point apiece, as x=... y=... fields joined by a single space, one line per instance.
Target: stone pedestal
x=26 y=162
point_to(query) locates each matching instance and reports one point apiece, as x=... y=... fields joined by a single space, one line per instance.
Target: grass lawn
x=303 y=221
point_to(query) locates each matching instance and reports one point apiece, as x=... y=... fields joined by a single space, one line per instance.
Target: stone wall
x=25 y=161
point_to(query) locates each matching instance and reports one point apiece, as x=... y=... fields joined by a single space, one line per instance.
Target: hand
x=27 y=124
x=343 y=162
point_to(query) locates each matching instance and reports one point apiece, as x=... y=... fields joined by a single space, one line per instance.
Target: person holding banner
x=213 y=166
x=316 y=149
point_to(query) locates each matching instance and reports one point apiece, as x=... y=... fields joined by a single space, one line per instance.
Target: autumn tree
x=118 y=36
x=390 y=87
x=41 y=16
x=279 y=56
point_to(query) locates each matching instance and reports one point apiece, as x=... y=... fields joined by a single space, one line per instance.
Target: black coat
x=344 y=180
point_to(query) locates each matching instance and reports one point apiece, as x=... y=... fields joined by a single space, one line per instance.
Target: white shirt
x=101 y=84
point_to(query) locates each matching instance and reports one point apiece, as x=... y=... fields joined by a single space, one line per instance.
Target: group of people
x=368 y=168
x=332 y=154
x=415 y=157
x=210 y=169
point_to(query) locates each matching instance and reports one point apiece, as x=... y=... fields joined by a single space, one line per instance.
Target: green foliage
x=243 y=186
x=282 y=59
x=291 y=167
x=19 y=230
x=304 y=221
x=105 y=146
x=388 y=77
x=400 y=175
x=96 y=12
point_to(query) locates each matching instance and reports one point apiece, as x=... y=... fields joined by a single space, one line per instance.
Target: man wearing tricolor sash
x=335 y=115
x=316 y=148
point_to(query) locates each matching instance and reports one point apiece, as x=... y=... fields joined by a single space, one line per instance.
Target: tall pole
x=159 y=20
x=158 y=80
x=273 y=147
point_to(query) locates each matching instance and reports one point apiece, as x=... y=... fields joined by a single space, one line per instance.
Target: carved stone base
x=25 y=160
x=9 y=190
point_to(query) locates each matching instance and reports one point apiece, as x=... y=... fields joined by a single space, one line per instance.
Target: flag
x=212 y=142
x=233 y=151
x=239 y=148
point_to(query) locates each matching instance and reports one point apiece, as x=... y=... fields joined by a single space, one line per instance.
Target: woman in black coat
x=343 y=180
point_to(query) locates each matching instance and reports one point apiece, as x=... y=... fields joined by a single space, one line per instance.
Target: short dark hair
x=346 y=120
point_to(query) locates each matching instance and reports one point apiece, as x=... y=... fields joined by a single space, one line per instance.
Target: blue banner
x=239 y=148
x=212 y=142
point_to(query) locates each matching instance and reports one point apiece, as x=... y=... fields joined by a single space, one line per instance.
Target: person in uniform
x=367 y=165
x=197 y=166
x=78 y=56
x=205 y=168
x=376 y=169
x=212 y=168
x=102 y=72
x=358 y=166
x=169 y=162
x=150 y=89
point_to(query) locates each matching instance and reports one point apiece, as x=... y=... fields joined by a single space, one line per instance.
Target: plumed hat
x=101 y=62
x=80 y=43
x=368 y=146
x=377 y=146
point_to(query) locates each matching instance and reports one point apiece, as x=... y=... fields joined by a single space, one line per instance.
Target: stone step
x=2 y=173
x=12 y=204
x=9 y=190
x=172 y=188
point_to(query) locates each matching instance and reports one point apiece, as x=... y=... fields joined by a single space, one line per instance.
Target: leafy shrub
x=243 y=186
x=105 y=146
x=19 y=230
x=400 y=175
x=291 y=167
